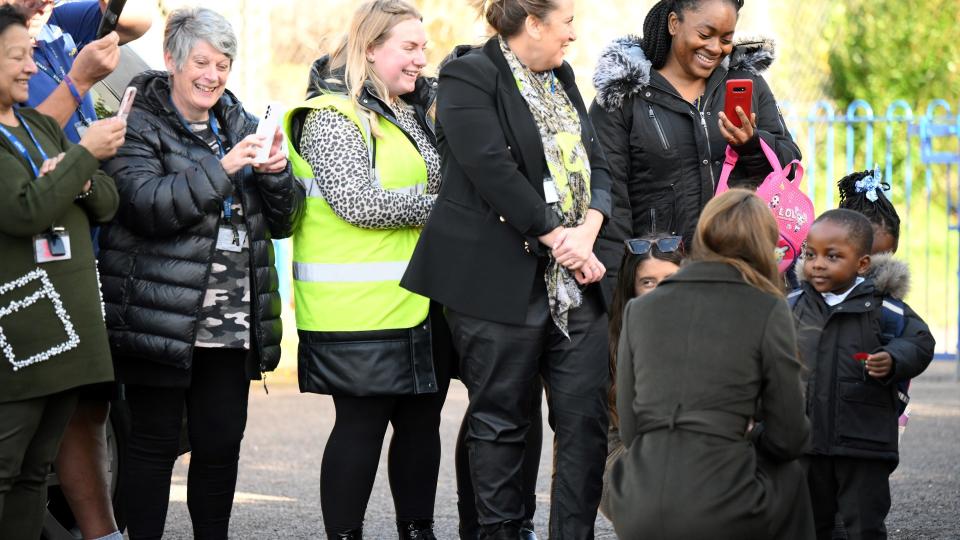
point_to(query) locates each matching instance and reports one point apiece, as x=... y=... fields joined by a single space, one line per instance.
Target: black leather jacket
x=155 y=256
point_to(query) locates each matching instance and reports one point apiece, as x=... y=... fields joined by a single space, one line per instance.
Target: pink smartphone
x=126 y=103
x=739 y=93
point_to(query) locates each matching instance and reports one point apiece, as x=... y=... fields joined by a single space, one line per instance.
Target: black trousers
x=499 y=364
x=856 y=488
x=466 y=498
x=352 y=455
x=216 y=406
x=30 y=433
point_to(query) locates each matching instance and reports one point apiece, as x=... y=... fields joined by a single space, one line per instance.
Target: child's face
x=883 y=242
x=831 y=262
x=650 y=273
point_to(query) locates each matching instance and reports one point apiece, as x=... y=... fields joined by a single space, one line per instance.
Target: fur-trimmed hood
x=623 y=69
x=891 y=277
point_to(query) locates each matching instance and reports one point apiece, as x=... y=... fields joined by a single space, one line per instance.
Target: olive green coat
x=699 y=357
x=52 y=335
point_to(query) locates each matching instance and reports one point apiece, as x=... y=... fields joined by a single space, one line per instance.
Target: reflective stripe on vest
x=346 y=278
x=345 y=273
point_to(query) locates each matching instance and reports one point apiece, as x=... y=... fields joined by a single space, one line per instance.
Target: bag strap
x=731 y=158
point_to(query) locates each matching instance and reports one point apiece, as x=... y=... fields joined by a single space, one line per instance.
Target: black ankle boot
x=352 y=534
x=526 y=531
x=418 y=529
x=508 y=530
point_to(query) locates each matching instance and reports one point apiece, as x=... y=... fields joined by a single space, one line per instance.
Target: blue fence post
x=906 y=116
x=813 y=118
x=852 y=118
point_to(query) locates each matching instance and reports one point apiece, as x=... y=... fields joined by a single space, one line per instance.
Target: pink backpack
x=790 y=206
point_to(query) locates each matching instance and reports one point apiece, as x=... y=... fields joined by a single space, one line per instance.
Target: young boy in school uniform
x=853 y=367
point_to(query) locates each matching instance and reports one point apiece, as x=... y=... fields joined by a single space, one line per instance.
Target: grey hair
x=186 y=26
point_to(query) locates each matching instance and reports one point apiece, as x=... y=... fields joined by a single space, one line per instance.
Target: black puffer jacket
x=665 y=155
x=851 y=413
x=155 y=256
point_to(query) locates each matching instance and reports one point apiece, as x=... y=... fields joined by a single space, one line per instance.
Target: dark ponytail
x=868 y=198
x=656 y=31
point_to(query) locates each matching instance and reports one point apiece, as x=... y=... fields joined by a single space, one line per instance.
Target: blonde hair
x=738 y=229
x=370 y=26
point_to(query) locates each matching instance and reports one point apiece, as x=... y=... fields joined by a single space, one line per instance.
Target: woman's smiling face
x=703 y=37
x=199 y=83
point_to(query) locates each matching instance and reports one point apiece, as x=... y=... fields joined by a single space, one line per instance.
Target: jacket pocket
x=657 y=214
x=34 y=324
x=865 y=414
x=658 y=128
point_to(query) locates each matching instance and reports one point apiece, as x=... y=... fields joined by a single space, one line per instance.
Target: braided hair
x=863 y=192
x=656 y=32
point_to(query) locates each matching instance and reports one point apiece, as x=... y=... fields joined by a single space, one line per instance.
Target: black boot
x=352 y=534
x=508 y=530
x=418 y=529
x=526 y=531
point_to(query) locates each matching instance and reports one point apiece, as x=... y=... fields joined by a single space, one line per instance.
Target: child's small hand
x=879 y=365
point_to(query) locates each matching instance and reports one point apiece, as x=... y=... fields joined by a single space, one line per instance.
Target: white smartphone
x=267 y=128
x=126 y=103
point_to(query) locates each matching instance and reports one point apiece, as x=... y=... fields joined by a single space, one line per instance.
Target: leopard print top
x=334 y=147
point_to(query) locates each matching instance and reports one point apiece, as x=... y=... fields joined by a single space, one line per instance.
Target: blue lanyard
x=215 y=128
x=59 y=75
x=19 y=145
x=228 y=202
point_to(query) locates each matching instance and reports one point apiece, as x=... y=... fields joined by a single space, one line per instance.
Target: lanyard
x=59 y=75
x=221 y=151
x=228 y=202
x=19 y=145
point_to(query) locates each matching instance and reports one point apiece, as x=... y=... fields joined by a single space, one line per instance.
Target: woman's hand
x=734 y=135
x=104 y=137
x=277 y=162
x=242 y=154
x=576 y=247
x=591 y=272
x=51 y=164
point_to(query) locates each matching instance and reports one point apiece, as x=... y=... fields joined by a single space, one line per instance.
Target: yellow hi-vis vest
x=347 y=278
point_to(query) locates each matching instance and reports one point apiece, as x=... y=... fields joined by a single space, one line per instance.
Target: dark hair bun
x=507 y=17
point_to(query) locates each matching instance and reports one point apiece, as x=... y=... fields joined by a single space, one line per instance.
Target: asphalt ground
x=278 y=491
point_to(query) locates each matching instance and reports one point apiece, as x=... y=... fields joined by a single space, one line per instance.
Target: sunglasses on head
x=666 y=244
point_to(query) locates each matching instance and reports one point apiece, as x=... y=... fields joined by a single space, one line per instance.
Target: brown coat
x=699 y=357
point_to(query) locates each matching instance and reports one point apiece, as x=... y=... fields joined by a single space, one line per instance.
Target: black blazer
x=478 y=253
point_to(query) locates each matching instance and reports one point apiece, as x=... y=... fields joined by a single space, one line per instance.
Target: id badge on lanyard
x=54 y=245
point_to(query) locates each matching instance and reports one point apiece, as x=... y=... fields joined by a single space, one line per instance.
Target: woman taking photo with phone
x=700 y=358
x=659 y=112
x=508 y=250
x=363 y=144
x=191 y=291
x=52 y=334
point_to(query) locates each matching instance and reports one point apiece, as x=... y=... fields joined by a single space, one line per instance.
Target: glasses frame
x=665 y=244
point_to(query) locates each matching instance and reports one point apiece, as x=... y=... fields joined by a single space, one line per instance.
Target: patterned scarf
x=568 y=165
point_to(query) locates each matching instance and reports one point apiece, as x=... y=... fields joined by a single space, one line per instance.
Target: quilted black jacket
x=155 y=256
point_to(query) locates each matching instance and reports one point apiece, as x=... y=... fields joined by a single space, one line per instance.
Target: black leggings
x=466 y=499
x=216 y=402
x=352 y=455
